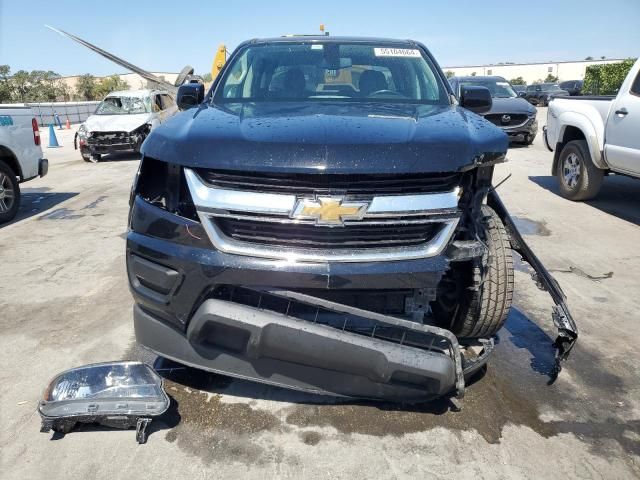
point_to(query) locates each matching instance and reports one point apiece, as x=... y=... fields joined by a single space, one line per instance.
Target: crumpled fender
x=567 y=328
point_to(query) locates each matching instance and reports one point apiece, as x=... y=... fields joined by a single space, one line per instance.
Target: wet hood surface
x=325 y=137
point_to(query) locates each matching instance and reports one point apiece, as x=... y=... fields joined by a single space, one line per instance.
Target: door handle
x=621 y=112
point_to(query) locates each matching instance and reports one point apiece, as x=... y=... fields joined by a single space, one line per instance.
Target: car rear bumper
x=263 y=346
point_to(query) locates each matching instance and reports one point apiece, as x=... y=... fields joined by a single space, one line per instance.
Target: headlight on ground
x=116 y=394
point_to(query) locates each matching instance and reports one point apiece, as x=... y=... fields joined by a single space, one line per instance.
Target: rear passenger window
x=635 y=88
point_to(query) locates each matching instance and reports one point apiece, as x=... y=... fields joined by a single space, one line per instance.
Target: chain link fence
x=75 y=112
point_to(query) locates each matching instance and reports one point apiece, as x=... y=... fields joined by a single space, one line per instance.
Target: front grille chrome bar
x=212 y=202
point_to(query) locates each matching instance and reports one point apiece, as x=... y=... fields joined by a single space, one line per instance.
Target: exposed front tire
x=9 y=193
x=542 y=102
x=579 y=178
x=480 y=312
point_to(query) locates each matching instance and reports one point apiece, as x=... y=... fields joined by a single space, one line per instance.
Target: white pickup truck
x=593 y=137
x=20 y=156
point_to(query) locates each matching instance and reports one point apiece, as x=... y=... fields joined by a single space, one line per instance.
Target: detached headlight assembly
x=114 y=394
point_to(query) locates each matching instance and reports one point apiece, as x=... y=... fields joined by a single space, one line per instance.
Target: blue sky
x=164 y=36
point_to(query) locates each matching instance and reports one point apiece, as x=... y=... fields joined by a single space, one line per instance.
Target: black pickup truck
x=324 y=219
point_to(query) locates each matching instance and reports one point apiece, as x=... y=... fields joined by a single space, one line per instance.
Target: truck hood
x=116 y=123
x=326 y=137
x=512 y=105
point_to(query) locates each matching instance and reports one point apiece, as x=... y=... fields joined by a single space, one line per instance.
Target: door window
x=157 y=103
x=167 y=101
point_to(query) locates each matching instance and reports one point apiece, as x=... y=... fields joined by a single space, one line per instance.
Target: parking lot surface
x=64 y=301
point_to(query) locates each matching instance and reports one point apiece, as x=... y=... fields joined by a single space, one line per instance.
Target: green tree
x=87 y=87
x=473 y=74
x=588 y=58
x=517 y=81
x=606 y=79
x=6 y=86
x=110 y=84
x=49 y=85
x=64 y=92
x=206 y=78
x=22 y=86
x=449 y=74
x=551 y=79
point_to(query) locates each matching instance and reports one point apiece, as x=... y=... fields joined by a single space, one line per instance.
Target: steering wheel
x=385 y=92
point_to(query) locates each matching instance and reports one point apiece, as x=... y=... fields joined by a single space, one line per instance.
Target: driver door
x=622 y=139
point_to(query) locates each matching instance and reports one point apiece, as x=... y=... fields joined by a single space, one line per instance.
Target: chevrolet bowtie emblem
x=329 y=210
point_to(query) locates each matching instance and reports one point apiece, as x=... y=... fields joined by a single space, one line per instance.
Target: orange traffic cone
x=68 y=124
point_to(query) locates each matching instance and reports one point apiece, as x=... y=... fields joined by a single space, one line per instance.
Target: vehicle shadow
x=619 y=196
x=36 y=200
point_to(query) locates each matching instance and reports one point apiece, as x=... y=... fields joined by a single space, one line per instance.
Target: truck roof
x=332 y=39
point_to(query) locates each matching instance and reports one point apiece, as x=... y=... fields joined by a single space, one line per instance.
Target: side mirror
x=476 y=99
x=522 y=94
x=190 y=95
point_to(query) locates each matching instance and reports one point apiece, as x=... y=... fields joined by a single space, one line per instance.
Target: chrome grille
x=318 y=228
x=311 y=236
x=515 y=119
x=317 y=183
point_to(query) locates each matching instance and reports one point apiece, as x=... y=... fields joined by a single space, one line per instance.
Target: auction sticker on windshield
x=396 y=52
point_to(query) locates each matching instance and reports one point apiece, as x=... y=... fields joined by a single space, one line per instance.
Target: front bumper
x=529 y=128
x=104 y=149
x=258 y=345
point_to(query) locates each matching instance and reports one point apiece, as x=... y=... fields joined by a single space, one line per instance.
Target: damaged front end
x=274 y=296
x=105 y=142
x=562 y=319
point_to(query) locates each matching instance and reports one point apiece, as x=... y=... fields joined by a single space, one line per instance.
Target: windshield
x=124 y=106
x=340 y=72
x=498 y=88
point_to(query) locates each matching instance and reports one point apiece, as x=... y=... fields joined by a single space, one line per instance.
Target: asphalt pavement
x=64 y=302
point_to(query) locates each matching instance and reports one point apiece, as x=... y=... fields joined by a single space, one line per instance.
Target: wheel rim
x=7 y=193
x=571 y=170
